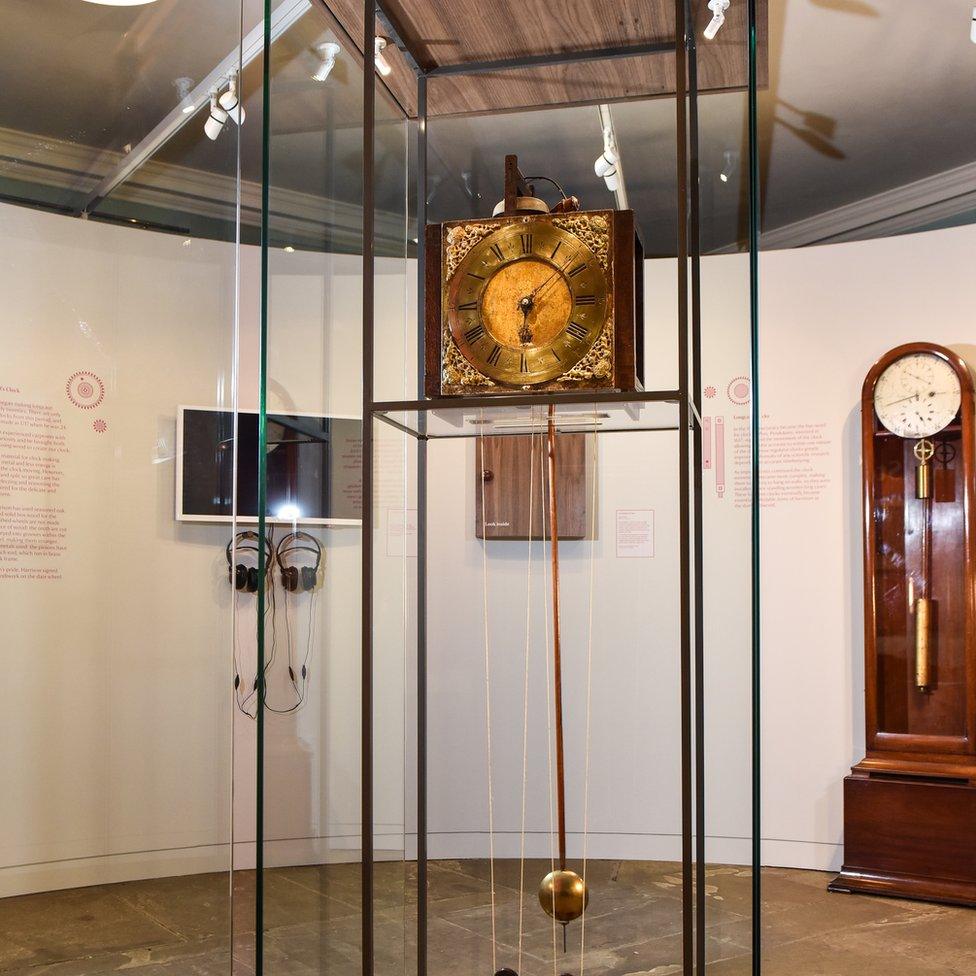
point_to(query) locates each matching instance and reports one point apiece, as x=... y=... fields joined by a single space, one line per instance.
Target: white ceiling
x=865 y=96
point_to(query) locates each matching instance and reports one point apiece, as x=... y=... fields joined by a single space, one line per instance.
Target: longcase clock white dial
x=917 y=395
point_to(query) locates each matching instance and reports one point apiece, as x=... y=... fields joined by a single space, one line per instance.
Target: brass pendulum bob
x=923 y=628
x=563 y=894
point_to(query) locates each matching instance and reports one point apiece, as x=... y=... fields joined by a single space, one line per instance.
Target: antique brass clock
x=534 y=301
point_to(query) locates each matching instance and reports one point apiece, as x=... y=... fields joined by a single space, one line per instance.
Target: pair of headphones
x=298 y=579
x=245 y=578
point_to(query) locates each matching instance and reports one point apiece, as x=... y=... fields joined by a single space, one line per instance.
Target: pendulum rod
x=557 y=674
x=562 y=893
x=923 y=602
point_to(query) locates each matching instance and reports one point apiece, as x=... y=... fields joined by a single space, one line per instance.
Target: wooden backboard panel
x=447 y=32
x=506 y=494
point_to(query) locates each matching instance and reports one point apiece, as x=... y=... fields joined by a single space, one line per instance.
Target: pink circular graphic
x=85 y=390
x=99 y=426
x=739 y=390
x=710 y=392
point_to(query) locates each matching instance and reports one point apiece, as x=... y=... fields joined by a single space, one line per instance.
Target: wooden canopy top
x=444 y=34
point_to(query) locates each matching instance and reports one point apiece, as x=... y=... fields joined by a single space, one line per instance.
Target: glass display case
x=323 y=674
x=482 y=772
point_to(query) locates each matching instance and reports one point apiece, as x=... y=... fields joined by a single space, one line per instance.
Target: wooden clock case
x=625 y=277
x=910 y=804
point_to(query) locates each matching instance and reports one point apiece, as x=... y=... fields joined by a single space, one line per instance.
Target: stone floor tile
x=63 y=925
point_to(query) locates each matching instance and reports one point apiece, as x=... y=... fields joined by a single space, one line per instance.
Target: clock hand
x=525 y=306
x=555 y=273
x=891 y=403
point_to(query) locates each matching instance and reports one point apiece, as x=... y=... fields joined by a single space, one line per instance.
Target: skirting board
x=111 y=869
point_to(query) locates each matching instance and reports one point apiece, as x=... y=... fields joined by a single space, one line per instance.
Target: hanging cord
x=549 y=780
x=302 y=692
x=491 y=797
x=300 y=688
x=525 y=699
x=589 y=688
x=239 y=689
x=242 y=703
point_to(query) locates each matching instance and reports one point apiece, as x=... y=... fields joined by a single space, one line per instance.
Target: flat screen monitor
x=314 y=467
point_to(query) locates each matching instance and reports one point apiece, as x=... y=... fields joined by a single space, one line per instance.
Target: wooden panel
x=402 y=82
x=447 y=32
x=511 y=468
x=456 y=31
x=909 y=838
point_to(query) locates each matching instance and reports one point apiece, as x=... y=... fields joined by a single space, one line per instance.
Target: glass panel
x=492 y=781
x=311 y=829
x=468 y=421
x=117 y=729
x=91 y=91
x=840 y=651
x=394 y=542
x=723 y=390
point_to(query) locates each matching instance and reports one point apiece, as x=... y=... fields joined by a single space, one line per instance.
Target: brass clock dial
x=527 y=302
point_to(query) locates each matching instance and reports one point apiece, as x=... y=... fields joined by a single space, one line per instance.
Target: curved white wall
x=115 y=722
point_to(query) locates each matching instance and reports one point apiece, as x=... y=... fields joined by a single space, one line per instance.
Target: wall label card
x=635 y=533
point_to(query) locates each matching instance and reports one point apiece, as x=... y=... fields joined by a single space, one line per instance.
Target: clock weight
x=924 y=450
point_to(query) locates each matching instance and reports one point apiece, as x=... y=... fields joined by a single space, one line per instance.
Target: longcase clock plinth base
x=909 y=837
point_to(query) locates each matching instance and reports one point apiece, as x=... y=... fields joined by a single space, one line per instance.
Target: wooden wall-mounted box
x=509 y=467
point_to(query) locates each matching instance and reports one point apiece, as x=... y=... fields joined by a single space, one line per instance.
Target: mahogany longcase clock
x=910 y=804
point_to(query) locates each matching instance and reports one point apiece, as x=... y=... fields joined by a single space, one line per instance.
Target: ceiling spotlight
x=730 y=159
x=121 y=3
x=288 y=249
x=718 y=8
x=327 y=52
x=606 y=165
x=216 y=119
x=230 y=101
x=382 y=65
